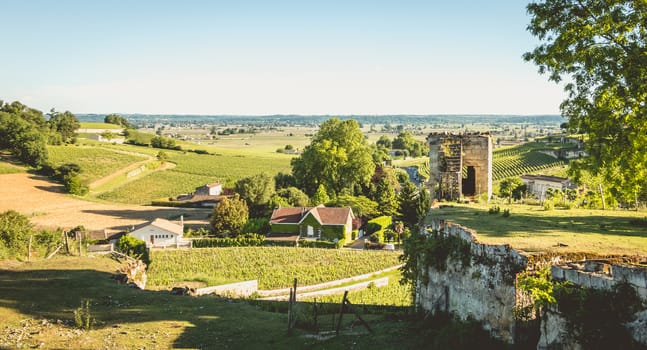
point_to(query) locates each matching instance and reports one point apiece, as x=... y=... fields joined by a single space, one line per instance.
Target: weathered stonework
x=485 y=290
x=449 y=155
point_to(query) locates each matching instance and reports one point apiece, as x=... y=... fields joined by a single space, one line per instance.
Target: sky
x=272 y=57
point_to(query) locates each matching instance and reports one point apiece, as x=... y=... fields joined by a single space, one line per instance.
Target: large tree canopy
x=599 y=48
x=338 y=158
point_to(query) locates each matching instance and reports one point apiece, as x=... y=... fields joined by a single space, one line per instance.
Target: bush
x=133 y=247
x=321 y=244
x=246 y=240
x=506 y=213
x=74 y=185
x=257 y=225
x=494 y=210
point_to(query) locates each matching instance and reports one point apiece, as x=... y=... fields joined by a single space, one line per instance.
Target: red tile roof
x=326 y=216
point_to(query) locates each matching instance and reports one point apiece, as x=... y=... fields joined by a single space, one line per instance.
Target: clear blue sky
x=271 y=57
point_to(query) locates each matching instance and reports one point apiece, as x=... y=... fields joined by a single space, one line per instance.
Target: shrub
x=83 y=317
x=133 y=247
x=506 y=213
x=74 y=185
x=321 y=244
x=494 y=210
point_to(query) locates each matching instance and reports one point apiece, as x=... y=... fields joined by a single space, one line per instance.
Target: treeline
x=404 y=144
x=25 y=131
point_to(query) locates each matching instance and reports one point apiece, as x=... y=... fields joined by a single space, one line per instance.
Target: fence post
x=341 y=312
x=29 y=248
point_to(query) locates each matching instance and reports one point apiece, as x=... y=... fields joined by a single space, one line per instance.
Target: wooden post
x=602 y=195
x=67 y=243
x=29 y=248
x=341 y=312
x=79 y=237
x=290 y=313
x=314 y=314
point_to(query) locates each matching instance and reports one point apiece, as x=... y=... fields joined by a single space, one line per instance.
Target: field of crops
x=96 y=162
x=194 y=170
x=519 y=160
x=273 y=267
x=395 y=294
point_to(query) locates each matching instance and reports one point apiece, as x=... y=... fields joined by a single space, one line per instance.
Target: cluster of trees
x=16 y=232
x=338 y=168
x=118 y=120
x=405 y=142
x=598 y=48
x=164 y=142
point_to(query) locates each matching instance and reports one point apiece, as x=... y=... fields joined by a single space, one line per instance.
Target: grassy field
x=274 y=267
x=533 y=229
x=7 y=168
x=88 y=125
x=194 y=170
x=96 y=162
x=39 y=298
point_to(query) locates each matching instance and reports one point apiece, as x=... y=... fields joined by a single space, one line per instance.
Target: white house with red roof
x=161 y=233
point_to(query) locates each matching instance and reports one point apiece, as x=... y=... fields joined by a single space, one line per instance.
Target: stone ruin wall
x=486 y=290
x=597 y=275
x=449 y=153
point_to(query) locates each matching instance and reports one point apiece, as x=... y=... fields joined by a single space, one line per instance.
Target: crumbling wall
x=485 y=290
x=599 y=275
x=449 y=154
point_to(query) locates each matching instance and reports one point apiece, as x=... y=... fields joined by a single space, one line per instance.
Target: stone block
x=571 y=275
x=634 y=276
x=557 y=273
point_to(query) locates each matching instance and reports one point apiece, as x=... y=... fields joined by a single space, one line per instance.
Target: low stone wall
x=239 y=289
x=485 y=290
x=599 y=275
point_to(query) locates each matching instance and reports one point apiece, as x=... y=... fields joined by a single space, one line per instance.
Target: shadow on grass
x=496 y=225
x=204 y=322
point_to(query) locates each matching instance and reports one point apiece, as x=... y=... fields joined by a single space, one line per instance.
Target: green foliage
x=320 y=196
x=74 y=185
x=595 y=318
x=118 y=120
x=338 y=157
x=83 y=318
x=598 y=47
x=15 y=230
x=539 y=285
x=229 y=216
x=63 y=123
x=361 y=205
x=293 y=197
x=257 y=225
x=375 y=227
x=384 y=141
x=273 y=267
x=304 y=243
x=24 y=132
x=511 y=188
x=245 y=240
x=414 y=204
x=164 y=142
x=406 y=141
x=256 y=190
x=133 y=247
x=519 y=160
x=383 y=191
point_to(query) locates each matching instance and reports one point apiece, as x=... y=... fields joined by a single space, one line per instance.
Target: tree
x=384 y=194
x=338 y=157
x=256 y=190
x=118 y=120
x=24 y=131
x=406 y=141
x=320 y=197
x=598 y=48
x=511 y=188
x=15 y=230
x=414 y=204
x=362 y=206
x=282 y=180
x=293 y=197
x=229 y=216
x=64 y=123
x=384 y=141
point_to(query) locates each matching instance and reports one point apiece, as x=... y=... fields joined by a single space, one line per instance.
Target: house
x=161 y=233
x=214 y=189
x=538 y=184
x=101 y=138
x=318 y=222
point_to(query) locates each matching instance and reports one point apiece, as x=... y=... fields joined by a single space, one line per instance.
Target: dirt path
x=48 y=206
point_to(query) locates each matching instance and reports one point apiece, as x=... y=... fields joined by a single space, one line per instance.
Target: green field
x=273 y=267
x=519 y=160
x=88 y=125
x=533 y=229
x=194 y=170
x=95 y=162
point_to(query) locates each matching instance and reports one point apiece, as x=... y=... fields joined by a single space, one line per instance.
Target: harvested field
x=47 y=205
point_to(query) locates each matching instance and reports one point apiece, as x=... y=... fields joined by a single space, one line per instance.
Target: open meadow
x=533 y=229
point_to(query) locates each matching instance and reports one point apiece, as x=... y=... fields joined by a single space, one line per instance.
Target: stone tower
x=460 y=165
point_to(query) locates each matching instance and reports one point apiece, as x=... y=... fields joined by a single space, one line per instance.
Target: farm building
x=214 y=189
x=161 y=233
x=539 y=184
x=329 y=224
